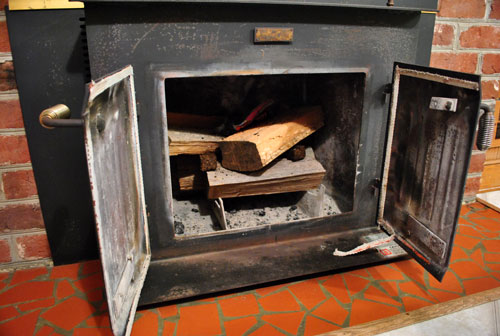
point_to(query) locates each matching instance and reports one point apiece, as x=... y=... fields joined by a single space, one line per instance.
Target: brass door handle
x=58 y=116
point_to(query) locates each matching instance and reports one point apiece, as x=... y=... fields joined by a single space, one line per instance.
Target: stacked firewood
x=266 y=158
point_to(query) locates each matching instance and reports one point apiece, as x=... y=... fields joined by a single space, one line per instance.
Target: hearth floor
x=69 y=300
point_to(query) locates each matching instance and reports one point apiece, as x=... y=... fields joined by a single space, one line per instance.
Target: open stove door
x=431 y=129
x=113 y=155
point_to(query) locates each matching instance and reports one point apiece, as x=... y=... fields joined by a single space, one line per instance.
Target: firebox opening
x=262 y=149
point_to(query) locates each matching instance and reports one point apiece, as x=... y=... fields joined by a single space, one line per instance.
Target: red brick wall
x=22 y=232
x=467 y=38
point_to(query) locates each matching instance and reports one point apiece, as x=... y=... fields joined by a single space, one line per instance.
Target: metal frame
x=178 y=246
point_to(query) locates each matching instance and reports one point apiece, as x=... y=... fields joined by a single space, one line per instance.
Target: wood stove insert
x=393 y=166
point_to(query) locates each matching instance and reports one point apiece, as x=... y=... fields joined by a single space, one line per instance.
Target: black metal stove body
x=409 y=183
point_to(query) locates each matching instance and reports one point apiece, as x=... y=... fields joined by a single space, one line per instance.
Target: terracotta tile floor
x=69 y=300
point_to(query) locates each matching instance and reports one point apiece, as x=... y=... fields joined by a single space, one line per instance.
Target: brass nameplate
x=43 y=4
x=282 y=35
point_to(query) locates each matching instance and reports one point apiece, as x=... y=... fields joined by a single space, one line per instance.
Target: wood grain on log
x=192 y=142
x=254 y=148
x=279 y=177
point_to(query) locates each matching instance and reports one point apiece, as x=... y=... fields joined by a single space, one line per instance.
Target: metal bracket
x=444 y=104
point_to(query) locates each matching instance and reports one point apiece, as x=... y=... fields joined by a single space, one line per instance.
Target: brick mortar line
x=14 y=256
x=21 y=201
x=465 y=50
x=26 y=264
x=479 y=64
x=14 y=91
x=440 y=19
x=4 y=201
x=5 y=57
x=456 y=36
x=18 y=233
x=487 y=10
x=14 y=167
x=12 y=131
x=8 y=96
x=491 y=102
x=483 y=50
x=472 y=175
x=464 y=26
x=23 y=166
x=468 y=199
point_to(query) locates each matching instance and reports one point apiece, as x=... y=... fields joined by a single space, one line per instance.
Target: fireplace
x=229 y=97
x=391 y=152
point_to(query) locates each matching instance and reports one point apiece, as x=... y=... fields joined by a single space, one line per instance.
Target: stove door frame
x=421 y=193
x=161 y=73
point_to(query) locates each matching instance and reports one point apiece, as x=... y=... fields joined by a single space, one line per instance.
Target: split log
x=192 y=142
x=281 y=176
x=208 y=162
x=254 y=148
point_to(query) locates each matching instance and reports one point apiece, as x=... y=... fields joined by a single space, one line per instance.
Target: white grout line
x=16 y=167
x=22 y=201
x=9 y=96
x=18 y=233
x=8 y=91
x=466 y=50
x=12 y=131
x=487 y=12
x=478 y=21
x=471 y=175
x=5 y=57
x=26 y=264
x=479 y=65
x=25 y=200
